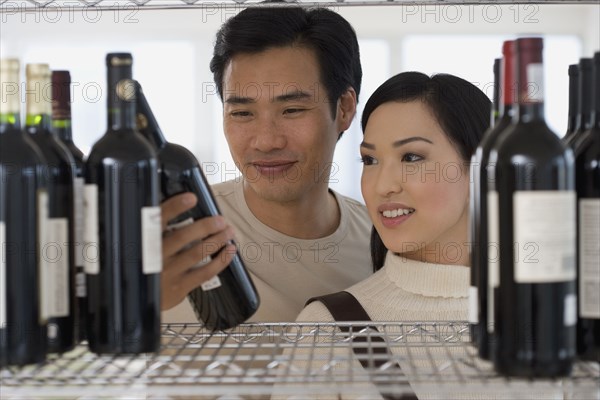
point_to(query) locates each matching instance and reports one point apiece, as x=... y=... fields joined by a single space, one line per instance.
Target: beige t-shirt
x=288 y=271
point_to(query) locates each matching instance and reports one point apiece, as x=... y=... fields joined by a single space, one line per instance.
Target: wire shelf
x=15 y=6
x=257 y=360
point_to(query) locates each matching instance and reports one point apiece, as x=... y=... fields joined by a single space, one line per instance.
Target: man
x=289 y=79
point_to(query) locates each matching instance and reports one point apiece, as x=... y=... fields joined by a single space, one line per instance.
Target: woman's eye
x=367 y=160
x=411 y=157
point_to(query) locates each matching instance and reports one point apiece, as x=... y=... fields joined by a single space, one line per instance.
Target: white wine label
x=78 y=213
x=589 y=258
x=3 y=262
x=80 y=284
x=151 y=240
x=493 y=255
x=91 y=243
x=544 y=232
x=473 y=305
x=210 y=284
x=570 y=316
x=178 y=225
x=44 y=272
x=56 y=255
x=535 y=83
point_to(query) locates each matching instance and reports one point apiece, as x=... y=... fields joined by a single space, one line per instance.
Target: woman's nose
x=388 y=180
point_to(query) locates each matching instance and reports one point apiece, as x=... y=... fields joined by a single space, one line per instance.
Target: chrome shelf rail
x=15 y=6
x=257 y=360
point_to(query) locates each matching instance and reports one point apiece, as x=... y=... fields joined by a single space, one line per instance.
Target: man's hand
x=185 y=247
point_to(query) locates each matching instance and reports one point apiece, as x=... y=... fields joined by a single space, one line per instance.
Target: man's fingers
x=175 y=206
x=202 y=229
x=188 y=258
x=175 y=286
x=196 y=277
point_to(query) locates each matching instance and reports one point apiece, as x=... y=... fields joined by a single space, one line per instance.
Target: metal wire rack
x=435 y=360
x=15 y=6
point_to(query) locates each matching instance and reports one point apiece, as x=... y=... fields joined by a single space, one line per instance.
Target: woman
x=419 y=134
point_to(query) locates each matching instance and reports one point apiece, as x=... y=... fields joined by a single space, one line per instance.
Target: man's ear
x=346 y=109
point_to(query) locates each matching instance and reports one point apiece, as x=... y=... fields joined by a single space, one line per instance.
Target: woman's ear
x=346 y=109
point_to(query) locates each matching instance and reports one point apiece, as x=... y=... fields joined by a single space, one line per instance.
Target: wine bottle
x=587 y=172
x=531 y=178
x=57 y=257
x=23 y=202
x=474 y=218
x=584 y=101
x=61 y=127
x=229 y=298
x=123 y=223
x=488 y=252
x=573 y=100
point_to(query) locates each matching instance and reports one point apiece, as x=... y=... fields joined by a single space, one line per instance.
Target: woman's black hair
x=460 y=108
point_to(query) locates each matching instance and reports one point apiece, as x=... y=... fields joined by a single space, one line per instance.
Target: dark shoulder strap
x=343 y=306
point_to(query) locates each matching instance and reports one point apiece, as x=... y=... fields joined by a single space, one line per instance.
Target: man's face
x=278 y=122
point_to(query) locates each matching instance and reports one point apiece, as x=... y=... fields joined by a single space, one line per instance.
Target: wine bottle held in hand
x=531 y=177
x=123 y=222
x=230 y=298
x=62 y=128
x=23 y=202
x=58 y=253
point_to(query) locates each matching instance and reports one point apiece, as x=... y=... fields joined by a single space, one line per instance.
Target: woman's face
x=415 y=185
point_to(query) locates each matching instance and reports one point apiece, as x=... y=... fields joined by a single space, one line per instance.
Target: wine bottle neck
x=529 y=74
x=9 y=121
x=39 y=102
x=121 y=97
x=10 y=106
x=584 y=106
x=573 y=97
x=529 y=112
x=62 y=128
x=40 y=121
x=146 y=121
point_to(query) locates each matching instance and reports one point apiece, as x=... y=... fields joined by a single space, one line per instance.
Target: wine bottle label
x=56 y=255
x=3 y=263
x=544 y=224
x=91 y=243
x=570 y=315
x=151 y=240
x=80 y=283
x=78 y=211
x=493 y=255
x=42 y=261
x=210 y=284
x=589 y=258
x=473 y=305
x=535 y=83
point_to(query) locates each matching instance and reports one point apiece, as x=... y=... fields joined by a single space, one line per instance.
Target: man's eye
x=292 y=110
x=240 y=113
x=411 y=157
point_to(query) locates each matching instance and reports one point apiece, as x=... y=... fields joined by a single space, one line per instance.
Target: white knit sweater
x=404 y=291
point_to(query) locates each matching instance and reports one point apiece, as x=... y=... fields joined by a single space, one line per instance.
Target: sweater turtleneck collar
x=431 y=280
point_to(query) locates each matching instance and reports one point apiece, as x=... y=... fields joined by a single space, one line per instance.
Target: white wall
x=172 y=50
